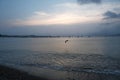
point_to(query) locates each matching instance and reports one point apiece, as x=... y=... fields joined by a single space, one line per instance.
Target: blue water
x=39 y=56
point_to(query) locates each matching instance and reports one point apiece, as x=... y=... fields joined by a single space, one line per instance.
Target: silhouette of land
x=47 y=36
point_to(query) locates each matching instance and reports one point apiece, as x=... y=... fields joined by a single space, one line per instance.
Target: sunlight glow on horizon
x=60 y=17
x=64 y=18
x=64 y=14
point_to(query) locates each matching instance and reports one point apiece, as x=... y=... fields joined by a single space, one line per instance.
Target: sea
x=83 y=58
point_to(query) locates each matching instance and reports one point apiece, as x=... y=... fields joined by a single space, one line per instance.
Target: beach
x=7 y=73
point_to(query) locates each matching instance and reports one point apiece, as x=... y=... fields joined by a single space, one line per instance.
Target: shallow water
x=43 y=56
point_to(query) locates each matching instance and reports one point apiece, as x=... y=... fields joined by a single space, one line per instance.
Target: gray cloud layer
x=110 y=14
x=88 y=1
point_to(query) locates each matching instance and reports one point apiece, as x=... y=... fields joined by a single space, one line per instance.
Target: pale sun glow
x=51 y=19
x=65 y=14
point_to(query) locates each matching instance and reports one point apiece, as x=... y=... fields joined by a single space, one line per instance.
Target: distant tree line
x=48 y=36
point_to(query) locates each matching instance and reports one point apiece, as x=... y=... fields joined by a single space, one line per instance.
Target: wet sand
x=7 y=73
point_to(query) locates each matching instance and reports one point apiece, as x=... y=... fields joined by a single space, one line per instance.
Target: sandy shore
x=7 y=73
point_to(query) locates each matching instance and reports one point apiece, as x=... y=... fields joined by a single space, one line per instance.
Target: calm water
x=43 y=56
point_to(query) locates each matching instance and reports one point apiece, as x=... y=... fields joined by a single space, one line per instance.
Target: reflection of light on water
x=75 y=58
x=67 y=47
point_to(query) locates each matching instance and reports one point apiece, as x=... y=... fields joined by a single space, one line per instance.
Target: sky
x=59 y=17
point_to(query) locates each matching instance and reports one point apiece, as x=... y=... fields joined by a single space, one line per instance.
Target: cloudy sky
x=59 y=17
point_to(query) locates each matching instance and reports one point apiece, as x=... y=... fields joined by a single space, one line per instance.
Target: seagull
x=66 y=41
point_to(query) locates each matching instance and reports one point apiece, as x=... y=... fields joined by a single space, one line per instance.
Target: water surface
x=43 y=56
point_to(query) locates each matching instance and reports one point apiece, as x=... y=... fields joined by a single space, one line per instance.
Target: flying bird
x=66 y=41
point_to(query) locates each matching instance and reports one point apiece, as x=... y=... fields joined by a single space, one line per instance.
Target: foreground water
x=52 y=58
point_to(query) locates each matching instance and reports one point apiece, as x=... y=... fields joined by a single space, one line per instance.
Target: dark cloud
x=110 y=14
x=89 y=1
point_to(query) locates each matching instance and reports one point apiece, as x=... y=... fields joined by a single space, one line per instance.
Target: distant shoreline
x=37 y=36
